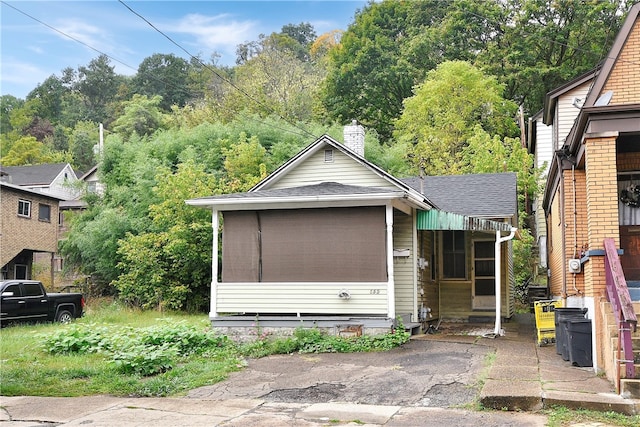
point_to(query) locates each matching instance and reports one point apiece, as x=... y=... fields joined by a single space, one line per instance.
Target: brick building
x=29 y=225
x=589 y=133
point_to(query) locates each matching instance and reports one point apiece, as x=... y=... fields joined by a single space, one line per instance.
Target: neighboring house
x=57 y=179
x=548 y=130
x=333 y=241
x=93 y=181
x=29 y=226
x=593 y=194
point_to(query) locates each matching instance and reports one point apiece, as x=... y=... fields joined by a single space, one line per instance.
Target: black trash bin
x=579 y=343
x=562 y=314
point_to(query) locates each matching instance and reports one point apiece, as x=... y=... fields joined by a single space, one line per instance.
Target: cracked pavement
x=421 y=373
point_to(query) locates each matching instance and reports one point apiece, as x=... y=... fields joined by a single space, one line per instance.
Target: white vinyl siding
x=566 y=113
x=302 y=298
x=403 y=267
x=342 y=169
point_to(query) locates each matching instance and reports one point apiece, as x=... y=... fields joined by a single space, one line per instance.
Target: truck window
x=32 y=290
x=13 y=288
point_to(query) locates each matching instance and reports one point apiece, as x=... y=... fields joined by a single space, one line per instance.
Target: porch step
x=630 y=388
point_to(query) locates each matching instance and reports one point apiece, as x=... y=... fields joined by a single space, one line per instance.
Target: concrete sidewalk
x=526 y=377
x=523 y=377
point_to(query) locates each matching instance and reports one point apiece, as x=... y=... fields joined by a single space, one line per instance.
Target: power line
x=242 y=91
x=304 y=131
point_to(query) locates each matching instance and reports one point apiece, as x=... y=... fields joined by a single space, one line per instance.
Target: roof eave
x=303 y=201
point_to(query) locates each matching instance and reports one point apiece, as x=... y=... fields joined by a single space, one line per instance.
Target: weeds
x=119 y=351
x=560 y=416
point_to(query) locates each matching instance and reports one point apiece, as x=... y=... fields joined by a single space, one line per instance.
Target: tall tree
x=439 y=119
x=8 y=103
x=368 y=75
x=166 y=75
x=542 y=44
x=277 y=81
x=141 y=116
x=98 y=84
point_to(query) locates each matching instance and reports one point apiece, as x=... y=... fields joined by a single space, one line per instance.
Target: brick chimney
x=354 y=137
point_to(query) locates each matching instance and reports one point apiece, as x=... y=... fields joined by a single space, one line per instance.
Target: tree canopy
x=436 y=84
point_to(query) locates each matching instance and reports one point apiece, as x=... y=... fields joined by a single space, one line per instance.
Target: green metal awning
x=439 y=220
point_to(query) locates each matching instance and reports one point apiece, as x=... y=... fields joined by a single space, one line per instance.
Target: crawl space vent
x=328 y=156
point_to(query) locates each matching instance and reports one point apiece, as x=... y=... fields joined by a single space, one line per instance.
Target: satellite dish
x=604 y=99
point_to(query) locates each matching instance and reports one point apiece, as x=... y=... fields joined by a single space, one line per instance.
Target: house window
x=44 y=212
x=24 y=208
x=454 y=257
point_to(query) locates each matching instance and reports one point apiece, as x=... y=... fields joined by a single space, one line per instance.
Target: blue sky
x=31 y=51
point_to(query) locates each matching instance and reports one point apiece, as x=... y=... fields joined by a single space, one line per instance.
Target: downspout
x=498 y=273
x=563 y=233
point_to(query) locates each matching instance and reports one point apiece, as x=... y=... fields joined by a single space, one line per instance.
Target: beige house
x=333 y=241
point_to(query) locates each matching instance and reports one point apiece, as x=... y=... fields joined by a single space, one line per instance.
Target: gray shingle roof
x=33 y=175
x=482 y=195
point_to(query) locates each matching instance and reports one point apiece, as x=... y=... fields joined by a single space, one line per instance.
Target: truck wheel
x=64 y=316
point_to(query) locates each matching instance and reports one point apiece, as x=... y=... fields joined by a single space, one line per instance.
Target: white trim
x=215 y=225
x=391 y=294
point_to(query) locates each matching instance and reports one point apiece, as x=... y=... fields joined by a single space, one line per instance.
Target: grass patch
x=559 y=416
x=119 y=351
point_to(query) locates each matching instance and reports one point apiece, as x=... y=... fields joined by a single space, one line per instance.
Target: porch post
x=391 y=292
x=215 y=224
x=498 y=278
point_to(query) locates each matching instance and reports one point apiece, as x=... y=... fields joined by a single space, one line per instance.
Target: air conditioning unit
x=575 y=266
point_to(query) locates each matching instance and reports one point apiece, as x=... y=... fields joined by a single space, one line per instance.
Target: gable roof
x=33 y=175
x=325 y=193
x=481 y=196
x=613 y=56
x=551 y=98
x=597 y=116
x=321 y=143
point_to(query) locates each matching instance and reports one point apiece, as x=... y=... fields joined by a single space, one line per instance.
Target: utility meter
x=575 y=266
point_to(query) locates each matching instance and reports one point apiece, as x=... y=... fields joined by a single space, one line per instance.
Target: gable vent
x=328 y=156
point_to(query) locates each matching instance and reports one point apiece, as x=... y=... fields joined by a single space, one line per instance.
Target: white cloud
x=19 y=73
x=216 y=33
x=86 y=33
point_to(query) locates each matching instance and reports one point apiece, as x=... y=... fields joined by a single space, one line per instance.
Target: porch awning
x=434 y=219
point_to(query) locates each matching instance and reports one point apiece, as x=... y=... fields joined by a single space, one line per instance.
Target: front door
x=630 y=243
x=484 y=278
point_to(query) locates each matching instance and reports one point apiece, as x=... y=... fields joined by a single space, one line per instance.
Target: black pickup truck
x=27 y=300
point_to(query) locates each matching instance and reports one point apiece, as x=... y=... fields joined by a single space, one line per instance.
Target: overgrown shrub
x=142 y=351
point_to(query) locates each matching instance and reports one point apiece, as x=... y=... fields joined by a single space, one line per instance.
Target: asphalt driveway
x=421 y=373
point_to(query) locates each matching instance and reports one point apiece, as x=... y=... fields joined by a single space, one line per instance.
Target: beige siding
x=301 y=298
x=455 y=300
x=403 y=267
x=430 y=296
x=342 y=169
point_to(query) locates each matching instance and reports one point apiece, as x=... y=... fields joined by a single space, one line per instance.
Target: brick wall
x=602 y=201
x=624 y=79
x=576 y=233
x=555 y=246
x=18 y=233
